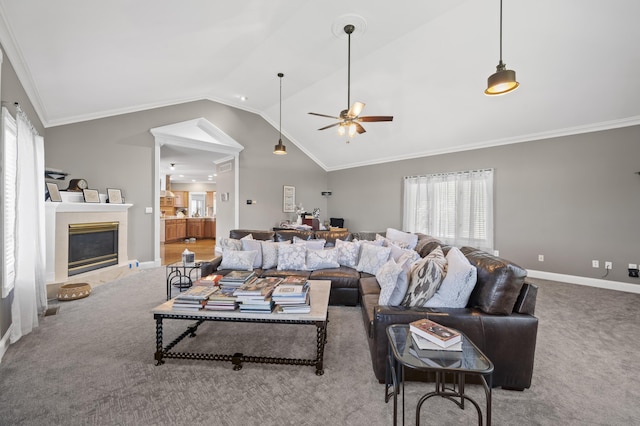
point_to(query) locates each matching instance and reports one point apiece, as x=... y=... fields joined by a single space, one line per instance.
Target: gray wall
x=572 y=199
x=117 y=152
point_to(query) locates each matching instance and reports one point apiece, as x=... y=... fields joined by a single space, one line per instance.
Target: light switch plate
x=148 y=210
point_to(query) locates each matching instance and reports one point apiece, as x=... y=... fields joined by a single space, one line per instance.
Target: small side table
x=182 y=276
x=471 y=361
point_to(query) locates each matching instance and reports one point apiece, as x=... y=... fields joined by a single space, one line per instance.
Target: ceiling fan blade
x=355 y=110
x=359 y=128
x=373 y=118
x=329 y=126
x=324 y=115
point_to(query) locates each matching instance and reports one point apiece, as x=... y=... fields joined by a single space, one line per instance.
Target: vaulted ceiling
x=424 y=62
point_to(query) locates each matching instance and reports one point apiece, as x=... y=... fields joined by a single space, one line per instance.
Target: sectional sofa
x=498 y=318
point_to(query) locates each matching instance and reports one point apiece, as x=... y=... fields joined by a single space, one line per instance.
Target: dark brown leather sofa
x=499 y=317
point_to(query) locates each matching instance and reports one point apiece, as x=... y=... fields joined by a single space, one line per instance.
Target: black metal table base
x=237 y=359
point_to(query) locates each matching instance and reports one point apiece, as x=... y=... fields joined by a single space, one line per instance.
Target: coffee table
x=319 y=316
x=471 y=361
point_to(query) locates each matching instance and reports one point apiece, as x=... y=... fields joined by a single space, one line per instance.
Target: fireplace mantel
x=58 y=217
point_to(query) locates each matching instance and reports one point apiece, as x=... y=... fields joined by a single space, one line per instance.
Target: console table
x=471 y=361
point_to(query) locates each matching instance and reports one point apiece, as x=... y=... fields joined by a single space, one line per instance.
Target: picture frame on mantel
x=54 y=192
x=114 y=196
x=91 y=195
x=289 y=199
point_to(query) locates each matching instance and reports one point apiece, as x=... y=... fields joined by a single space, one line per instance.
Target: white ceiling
x=424 y=62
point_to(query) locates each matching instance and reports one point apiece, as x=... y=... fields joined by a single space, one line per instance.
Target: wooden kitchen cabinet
x=209 y=228
x=166 y=202
x=181 y=228
x=195 y=228
x=170 y=230
x=181 y=198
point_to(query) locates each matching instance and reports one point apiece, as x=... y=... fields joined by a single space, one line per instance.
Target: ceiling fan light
x=341 y=130
x=501 y=82
x=280 y=149
x=352 y=130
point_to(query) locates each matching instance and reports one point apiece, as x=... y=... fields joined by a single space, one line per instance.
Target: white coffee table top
x=318 y=292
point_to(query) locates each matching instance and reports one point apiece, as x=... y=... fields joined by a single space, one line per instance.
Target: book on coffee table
x=421 y=343
x=435 y=332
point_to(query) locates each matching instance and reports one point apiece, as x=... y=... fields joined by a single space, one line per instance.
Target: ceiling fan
x=350 y=119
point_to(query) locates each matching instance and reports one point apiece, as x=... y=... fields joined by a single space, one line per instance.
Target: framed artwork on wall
x=91 y=195
x=289 y=199
x=114 y=196
x=54 y=192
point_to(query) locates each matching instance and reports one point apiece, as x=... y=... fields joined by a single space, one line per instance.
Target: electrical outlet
x=595 y=263
x=496 y=253
x=608 y=265
x=541 y=258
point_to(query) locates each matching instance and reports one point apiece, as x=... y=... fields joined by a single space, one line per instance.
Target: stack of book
x=222 y=300
x=194 y=298
x=235 y=279
x=435 y=344
x=211 y=279
x=292 y=298
x=255 y=295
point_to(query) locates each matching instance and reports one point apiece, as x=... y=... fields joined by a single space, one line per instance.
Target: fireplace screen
x=92 y=246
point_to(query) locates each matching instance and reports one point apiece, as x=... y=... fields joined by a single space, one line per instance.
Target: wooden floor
x=172 y=252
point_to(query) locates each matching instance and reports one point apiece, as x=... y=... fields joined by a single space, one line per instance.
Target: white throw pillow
x=403 y=237
x=310 y=244
x=322 y=259
x=254 y=245
x=228 y=244
x=372 y=257
x=393 y=283
x=292 y=257
x=457 y=285
x=401 y=255
x=426 y=276
x=238 y=260
x=270 y=253
x=348 y=253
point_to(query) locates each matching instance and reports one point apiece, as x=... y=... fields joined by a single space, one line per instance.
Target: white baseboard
x=151 y=264
x=591 y=282
x=4 y=342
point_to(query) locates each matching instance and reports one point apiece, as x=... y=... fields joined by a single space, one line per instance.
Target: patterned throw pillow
x=310 y=244
x=372 y=257
x=322 y=259
x=270 y=253
x=457 y=285
x=292 y=257
x=426 y=276
x=238 y=260
x=404 y=238
x=255 y=246
x=348 y=253
x=229 y=244
x=393 y=283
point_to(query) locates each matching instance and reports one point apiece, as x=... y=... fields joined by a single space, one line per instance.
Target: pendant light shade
x=280 y=149
x=503 y=80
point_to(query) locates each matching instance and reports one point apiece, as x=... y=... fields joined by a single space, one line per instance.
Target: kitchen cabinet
x=170 y=230
x=181 y=198
x=195 y=228
x=209 y=228
x=166 y=202
x=181 y=228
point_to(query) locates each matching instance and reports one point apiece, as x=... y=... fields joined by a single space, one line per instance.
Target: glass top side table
x=470 y=361
x=181 y=275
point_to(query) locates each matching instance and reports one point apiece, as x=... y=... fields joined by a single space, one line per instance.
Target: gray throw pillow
x=292 y=257
x=238 y=260
x=393 y=283
x=372 y=257
x=457 y=285
x=426 y=276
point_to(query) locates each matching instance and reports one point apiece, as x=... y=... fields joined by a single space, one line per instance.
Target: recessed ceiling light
x=193 y=180
x=180 y=175
x=243 y=98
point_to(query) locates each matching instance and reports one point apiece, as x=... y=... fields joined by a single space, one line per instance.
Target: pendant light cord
x=500 y=31
x=280 y=75
x=349 y=72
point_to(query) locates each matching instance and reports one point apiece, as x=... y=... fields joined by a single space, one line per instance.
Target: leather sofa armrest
x=526 y=302
x=210 y=266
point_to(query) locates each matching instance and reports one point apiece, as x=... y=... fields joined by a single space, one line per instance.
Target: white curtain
x=30 y=295
x=456 y=208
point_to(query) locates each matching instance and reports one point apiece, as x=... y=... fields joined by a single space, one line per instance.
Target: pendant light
x=503 y=80
x=280 y=149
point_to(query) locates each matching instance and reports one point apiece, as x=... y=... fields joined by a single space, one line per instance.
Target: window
x=456 y=208
x=9 y=176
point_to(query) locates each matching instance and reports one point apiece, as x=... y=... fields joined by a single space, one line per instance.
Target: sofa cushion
x=253 y=245
x=348 y=253
x=404 y=238
x=426 y=276
x=322 y=259
x=393 y=281
x=331 y=236
x=426 y=245
x=255 y=234
x=457 y=284
x=238 y=260
x=372 y=257
x=288 y=234
x=499 y=282
x=292 y=257
x=270 y=253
